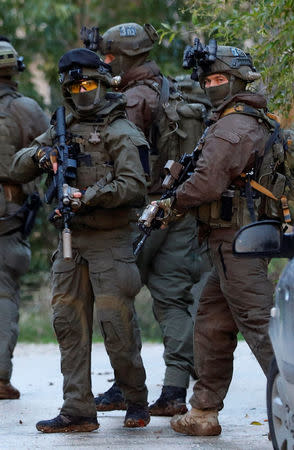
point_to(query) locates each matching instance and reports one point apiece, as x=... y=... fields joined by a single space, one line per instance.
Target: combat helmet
x=232 y=61
x=10 y=62
x=129 y=44
x=78 y=65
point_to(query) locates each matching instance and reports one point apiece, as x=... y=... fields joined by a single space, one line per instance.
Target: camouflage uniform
x=21 y=120
x=103 y=268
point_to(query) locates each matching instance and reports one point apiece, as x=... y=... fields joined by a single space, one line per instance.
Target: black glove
x=46 y=159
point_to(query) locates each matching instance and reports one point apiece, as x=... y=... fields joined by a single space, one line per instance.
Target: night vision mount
x=199 y=55
x=91 y=38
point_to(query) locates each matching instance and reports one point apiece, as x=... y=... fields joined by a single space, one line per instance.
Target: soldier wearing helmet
x=238 y=295
x=111 y=183
x=166 y=269
x=21 y=119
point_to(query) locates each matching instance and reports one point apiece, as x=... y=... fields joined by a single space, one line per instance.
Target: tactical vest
x=177 y=125
x=95 y=169
x=261 y=194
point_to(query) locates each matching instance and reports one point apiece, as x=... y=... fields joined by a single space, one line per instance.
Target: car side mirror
x=265 y=239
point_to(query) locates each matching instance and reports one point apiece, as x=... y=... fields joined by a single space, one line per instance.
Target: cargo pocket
x=61 y=278
x=19 y=255
x=127 y=273
x=102 y=274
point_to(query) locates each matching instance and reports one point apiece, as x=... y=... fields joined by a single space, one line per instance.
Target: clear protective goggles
x=88 y=85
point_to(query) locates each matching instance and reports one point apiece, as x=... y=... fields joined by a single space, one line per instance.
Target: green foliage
x=266 y=28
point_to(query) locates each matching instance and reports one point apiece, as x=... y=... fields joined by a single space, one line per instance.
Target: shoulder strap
x=9 y=92
x=164 y=93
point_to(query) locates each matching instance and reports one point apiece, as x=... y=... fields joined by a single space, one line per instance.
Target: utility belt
x=230 y=211
x=241 y=205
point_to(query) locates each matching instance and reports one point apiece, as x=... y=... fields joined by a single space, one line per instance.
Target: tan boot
x=7 y=391
x=197 y=422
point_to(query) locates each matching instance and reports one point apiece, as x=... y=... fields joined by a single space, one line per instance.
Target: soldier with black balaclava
x=109 y=183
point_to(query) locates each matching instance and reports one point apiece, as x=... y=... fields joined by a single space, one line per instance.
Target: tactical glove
x=170 y=213
x=46 y=159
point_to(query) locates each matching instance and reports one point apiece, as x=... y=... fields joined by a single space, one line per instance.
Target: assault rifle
x=65 y=169
x=176 y=173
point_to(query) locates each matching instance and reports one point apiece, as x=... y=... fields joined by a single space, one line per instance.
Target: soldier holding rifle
x=97 y=181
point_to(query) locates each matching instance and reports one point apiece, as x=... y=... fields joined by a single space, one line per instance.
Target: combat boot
x=136 y=416
x=197 y=422
x=67 y=424
x=172 y=401
x=111 y=400
x=7 y=391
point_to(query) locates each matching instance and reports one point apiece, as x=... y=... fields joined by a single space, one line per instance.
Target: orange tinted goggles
x=88 y=85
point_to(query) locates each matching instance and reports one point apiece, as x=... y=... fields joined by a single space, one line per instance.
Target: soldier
x=111 y=181
x=21 y=119
x=238 y=295
x=170 y=262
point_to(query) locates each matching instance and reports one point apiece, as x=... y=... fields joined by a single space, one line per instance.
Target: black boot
x=66 y=424
x=111 y=400
x=136 y=416
x=172 y=401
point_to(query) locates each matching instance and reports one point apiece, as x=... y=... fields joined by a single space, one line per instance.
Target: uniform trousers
x=103 y=270
x=238 y=296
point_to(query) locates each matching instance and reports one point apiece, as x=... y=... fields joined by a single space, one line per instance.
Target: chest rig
x=88 y=142
x=259 y=193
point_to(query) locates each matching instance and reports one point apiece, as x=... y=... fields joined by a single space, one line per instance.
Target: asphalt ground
x=37 y=375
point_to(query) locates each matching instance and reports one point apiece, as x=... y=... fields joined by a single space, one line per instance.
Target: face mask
x=217 y=94
x=88 y=101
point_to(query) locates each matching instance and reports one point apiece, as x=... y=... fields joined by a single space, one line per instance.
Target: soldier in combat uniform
x=238 y=295
x=103 y=269
x=21 y=120
x=171 y=261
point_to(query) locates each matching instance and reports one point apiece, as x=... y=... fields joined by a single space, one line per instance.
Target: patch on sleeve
x=226 y=135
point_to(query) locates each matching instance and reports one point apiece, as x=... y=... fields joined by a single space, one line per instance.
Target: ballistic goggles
x=88 y=85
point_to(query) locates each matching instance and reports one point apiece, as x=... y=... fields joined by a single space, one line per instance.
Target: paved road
x=37 y=375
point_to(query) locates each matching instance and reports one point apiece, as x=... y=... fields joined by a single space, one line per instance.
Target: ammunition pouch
x=270 y=208
x=230 y=211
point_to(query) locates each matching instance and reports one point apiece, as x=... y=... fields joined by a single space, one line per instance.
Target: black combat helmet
x=78 y=67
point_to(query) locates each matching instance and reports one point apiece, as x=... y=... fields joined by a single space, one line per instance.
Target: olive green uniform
x=21 y=120
x=171 y=261
x=103 y=267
